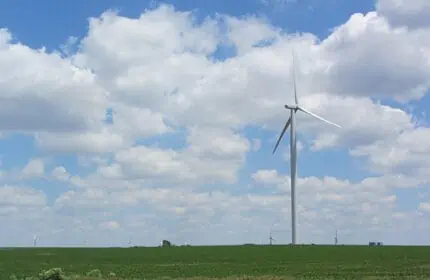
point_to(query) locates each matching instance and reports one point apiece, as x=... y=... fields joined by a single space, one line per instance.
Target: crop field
x=232 y=262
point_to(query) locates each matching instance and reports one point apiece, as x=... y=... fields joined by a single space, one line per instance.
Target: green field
x=311 y=262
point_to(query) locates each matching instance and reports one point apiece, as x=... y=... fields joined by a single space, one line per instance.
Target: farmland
x=317 y=262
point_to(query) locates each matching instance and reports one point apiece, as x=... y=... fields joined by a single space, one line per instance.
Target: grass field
x=311 y=262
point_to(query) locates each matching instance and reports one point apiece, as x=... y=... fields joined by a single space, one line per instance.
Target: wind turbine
x=271 y=238
x=83 y=234
x=293 y=149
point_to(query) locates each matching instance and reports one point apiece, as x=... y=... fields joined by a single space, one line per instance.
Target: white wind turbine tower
x=293 y=149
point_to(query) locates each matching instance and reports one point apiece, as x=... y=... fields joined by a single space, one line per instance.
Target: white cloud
x=212 y=155
x=21 y=196
x=143 y=162
x=246 y=34
x=217 y=143
x=41 y=91
x=336 y=200
x=19 y=204
x=35 y=168
x=254 y=76
x=357 y=61
x=138 y=122
x=266 y=177
x=110 y=225
x=323 y=204
x=424 y=206
x=407 y=153
x=410 y=13
x=363 y=122
x=89 y=142
x=60 y=173
x=151 y=70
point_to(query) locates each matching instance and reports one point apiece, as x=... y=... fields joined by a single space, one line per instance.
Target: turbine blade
x=282 y=134
x=316 y=116
x=294 y=81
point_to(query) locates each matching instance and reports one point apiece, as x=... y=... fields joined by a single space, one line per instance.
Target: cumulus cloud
x=42 y=91
x=212 y=155
x=410 y=13
x=19 y=203
x=60 y=173
x=424 y=206
x=266 y=177
x=333 y=200
x=365 y=68
x=34 y=168
x=87 y=143
x=21 y=196
x=110 y=225
x=405 y=153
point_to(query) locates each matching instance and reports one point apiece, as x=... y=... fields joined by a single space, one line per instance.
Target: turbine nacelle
x=291 y=107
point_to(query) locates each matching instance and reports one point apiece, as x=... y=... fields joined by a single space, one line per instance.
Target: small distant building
x=166 y=243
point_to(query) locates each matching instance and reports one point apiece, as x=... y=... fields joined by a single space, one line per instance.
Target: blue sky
x=70 y=19
x=204 y=153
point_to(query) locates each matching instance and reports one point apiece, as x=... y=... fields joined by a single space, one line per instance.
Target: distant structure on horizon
x=378 y=243
x=271 y=238
x=165 y=243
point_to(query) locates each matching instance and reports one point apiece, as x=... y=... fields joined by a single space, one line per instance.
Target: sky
x=129 y=123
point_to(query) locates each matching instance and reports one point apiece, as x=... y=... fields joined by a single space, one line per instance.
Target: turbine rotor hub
x=291 y=107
